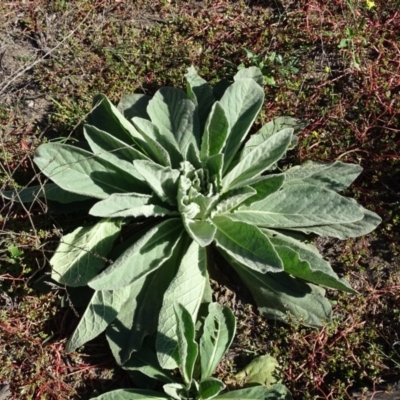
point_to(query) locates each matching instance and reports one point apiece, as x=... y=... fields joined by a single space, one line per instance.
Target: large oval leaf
x=79 y=171
x=142 y=258
x=49 y=191
x=278 y=295
x=241 y=102
x=107 y=117
x=300 y=205
x=138 y=316
x=130 y=205
x=247 y=244
x=201 y=93
x=170 y=110
x=258 y=160
x=101 y=311
x=303 y=261
x=187 y=288
x=343 y=231
x=336 y=176
x=81 y=255
x=215 y=132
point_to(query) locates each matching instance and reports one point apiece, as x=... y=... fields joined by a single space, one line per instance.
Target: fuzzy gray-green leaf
x=303 y=261
x=101 y=311
x=247 y=244
x=81 y=255
x=163 y=180
x=171 y=111
x=279 y=294
x=187 y=346
x=241 y=102
x=252 y=73
x=139 y=314
x=361 y=227
x=275 y=392
x=218 y=332
x=233 y=199
x=187 y=288
x=49 y=191
x=132 y=394
x=215 y=132
x=202 y=231
x=163 y=147
x=201 y=93
x=130 y=205
x=336 y=176
x=258 y=160
x=270 y=129
x=300 y=205
x=209 y=388
x=79 y=171
x=147 y=254
x=107 y=117
x=133 y=105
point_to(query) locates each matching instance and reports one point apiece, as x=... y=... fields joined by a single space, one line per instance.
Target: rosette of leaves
x=176 y=176
x=197 y=360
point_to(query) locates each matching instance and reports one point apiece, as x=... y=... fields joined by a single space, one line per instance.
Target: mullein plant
x=175 y=174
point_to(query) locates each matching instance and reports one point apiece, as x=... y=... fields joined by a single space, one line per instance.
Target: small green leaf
x=202 y=231
x=218 y=332
x=252 y=73
x=214 y=166
x=247 y=244
x=261 y=370
x=209 y=388
x=177 y=391
x=81 y=255
x=187 y=346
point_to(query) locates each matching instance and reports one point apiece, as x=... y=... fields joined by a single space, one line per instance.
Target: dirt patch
x=23 y=105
